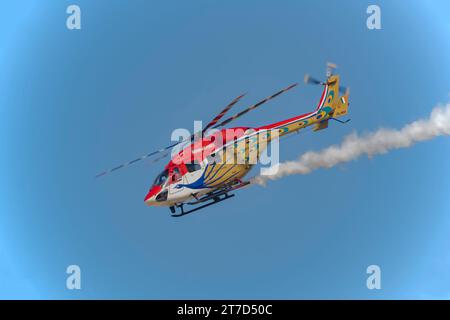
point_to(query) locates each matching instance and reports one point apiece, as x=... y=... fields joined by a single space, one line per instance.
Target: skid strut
x=215 y=199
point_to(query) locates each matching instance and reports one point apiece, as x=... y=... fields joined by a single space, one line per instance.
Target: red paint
x=154 y=190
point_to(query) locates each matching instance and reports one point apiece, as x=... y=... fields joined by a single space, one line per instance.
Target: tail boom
x=330 y=105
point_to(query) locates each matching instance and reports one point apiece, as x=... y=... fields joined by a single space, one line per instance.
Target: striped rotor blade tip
x=101 y=174
x=252 y=107
x=117 y=168
x=161 y=157
x=126 y=164
x=223 y=112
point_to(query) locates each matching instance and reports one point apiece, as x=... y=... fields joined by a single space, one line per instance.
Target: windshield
x=161 y=178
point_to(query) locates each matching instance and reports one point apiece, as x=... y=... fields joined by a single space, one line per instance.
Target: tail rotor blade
x=343 y=90
x=330 y=68
x=310 y=80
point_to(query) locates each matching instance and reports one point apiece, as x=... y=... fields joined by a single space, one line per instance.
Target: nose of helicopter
x=150 y=198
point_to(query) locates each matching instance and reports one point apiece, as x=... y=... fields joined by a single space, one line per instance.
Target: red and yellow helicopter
x=206 y=170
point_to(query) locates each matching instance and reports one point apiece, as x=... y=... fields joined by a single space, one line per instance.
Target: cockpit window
x=191 y=167
x=161 y=178
x=176 y=176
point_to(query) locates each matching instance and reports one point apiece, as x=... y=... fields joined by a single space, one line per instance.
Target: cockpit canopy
x=174 y=173
x=161 y=178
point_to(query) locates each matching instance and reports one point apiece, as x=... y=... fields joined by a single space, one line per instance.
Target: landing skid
x=215 y=199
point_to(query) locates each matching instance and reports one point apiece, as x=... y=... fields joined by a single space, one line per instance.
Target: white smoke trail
x=378 y=142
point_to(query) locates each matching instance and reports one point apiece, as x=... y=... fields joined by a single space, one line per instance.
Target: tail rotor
x=330 y=70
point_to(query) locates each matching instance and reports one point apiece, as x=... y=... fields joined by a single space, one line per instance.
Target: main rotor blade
x=222 y=113
x=192 y=137
x=211 y=124
x=256 y=105
x=161 y=157
x=145 y=156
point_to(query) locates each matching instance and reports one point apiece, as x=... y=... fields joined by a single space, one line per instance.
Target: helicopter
x=213 y=162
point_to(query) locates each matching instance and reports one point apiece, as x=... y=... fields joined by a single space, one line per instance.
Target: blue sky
x=75 y=102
